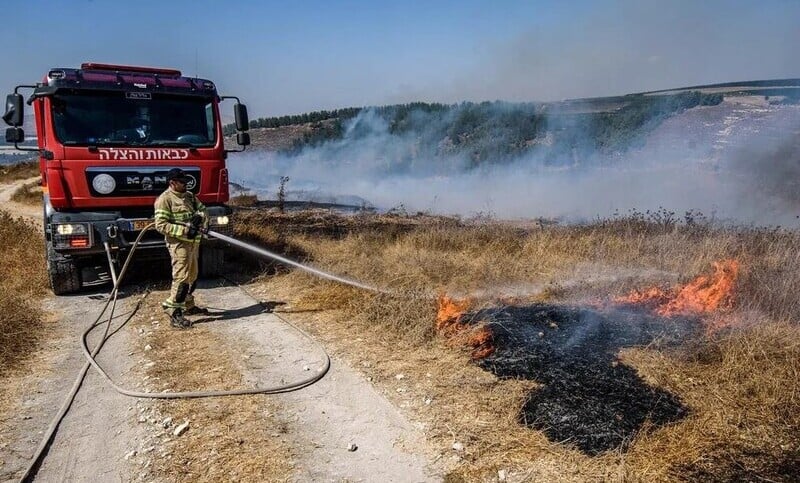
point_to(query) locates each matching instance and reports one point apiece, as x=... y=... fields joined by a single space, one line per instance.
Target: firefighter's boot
x=176 y=315
x=177 y=320
x=191 y=308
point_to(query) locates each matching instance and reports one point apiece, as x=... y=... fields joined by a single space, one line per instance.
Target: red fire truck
x=107 y=135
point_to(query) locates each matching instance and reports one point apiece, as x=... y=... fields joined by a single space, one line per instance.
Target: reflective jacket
x=172 y=208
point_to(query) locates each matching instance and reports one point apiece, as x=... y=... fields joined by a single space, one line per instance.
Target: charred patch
x=589 y=398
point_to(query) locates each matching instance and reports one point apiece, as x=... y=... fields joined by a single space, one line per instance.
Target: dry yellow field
x=737 y=380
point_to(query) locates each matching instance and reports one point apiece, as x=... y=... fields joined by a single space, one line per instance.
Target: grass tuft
x=17 y=171
x=29 y=194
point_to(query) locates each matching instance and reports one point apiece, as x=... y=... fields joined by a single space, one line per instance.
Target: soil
x=103 y=438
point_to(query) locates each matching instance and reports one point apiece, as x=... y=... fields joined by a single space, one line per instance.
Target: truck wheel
x=65 y=275
x=212 y=262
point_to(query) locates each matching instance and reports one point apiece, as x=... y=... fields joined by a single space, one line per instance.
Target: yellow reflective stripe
x=196 y=240
x=169 y=304
x=174 y=216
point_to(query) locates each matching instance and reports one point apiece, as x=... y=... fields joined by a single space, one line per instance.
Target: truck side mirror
x=243 y=138
x=240 y=113
x=15 y=110
x=15 y=135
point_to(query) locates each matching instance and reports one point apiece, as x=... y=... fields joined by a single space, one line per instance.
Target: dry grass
x=23 y=281
x=14 y=172
x=229 y=439
x=244 y=200
x=23 y=329
x=29 y=194
x=741 y=386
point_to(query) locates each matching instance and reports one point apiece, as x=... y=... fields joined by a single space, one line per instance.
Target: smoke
x=735 y=162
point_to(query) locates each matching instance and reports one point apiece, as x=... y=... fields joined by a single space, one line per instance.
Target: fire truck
x=106 y=137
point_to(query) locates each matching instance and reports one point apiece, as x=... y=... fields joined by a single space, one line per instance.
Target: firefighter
x=181 y=218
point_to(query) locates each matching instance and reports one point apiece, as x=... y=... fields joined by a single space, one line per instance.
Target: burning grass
x=714 y=404
x=705 y=294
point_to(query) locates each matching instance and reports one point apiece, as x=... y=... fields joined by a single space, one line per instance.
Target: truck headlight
x=72 y=235
x=71 y=229
x=220 y=220
x=104 y=183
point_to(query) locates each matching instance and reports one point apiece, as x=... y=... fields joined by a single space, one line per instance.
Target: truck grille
x=136 y=181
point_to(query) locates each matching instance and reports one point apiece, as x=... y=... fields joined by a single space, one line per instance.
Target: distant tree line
x=295 y=119
x=501 y=130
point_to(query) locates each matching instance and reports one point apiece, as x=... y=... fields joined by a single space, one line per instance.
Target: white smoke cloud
x=709 y=159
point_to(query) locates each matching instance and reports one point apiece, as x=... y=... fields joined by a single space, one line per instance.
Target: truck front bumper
x=86 y=233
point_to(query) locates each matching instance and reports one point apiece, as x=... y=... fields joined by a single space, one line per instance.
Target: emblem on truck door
x=191 y=183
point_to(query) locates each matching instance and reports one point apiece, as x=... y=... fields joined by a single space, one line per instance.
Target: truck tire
x=65 y=274
x=212 y=262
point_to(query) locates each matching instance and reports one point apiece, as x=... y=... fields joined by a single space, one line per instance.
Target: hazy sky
x=289 y=57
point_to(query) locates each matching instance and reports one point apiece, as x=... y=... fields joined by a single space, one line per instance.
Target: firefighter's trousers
x=185 y=261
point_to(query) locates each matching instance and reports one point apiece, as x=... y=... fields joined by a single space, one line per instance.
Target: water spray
x=314 y=271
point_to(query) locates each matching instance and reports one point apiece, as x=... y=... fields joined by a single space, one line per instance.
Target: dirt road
x=109 y=437
x=32 y=213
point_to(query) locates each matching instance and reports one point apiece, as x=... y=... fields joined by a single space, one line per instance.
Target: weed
x=29 y=194
x=23 y=170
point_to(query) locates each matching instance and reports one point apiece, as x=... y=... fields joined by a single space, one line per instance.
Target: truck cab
x=107 y=136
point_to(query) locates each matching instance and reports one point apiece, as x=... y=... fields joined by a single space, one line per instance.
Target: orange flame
x=450 y=311
x=705 y=294
x=450 y=325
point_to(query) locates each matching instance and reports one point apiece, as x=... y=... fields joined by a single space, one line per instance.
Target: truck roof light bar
x=130 y=68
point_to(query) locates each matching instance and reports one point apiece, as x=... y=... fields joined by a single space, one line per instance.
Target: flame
x=704 y=294
x=450 y=311
x=651 y=296
x=458 y=333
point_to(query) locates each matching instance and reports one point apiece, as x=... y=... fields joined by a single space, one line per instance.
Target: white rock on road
x=181 y=428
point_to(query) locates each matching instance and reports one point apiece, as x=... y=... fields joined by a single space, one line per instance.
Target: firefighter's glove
x=196 y=226
x=192 y=232
x=197 y=220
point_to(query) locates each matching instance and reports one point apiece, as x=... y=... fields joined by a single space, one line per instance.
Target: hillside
x=730 y=154
x=496 y=131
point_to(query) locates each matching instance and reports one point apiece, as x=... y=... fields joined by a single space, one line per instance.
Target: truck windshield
x=92 y=118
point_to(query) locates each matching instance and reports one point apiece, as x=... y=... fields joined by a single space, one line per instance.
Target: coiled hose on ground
x=91 y=361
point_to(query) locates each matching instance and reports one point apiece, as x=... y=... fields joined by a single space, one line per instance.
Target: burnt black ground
x=589 y=399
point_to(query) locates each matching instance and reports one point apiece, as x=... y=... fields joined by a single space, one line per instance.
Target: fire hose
x=91 y=355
